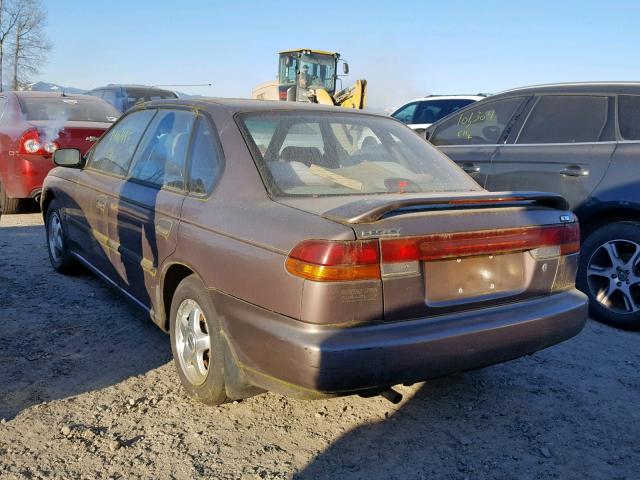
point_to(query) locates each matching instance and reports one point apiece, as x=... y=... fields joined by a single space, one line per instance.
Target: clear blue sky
x=403 y=48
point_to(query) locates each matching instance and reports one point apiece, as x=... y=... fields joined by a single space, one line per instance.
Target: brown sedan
x=311 y=251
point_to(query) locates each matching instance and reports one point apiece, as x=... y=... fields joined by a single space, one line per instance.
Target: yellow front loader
x=311 y=76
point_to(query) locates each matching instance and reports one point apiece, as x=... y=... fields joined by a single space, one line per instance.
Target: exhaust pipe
x=391 y=395
x=37 y=198
x=388 y=393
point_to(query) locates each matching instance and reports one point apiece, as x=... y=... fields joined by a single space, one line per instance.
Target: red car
x=35 y=124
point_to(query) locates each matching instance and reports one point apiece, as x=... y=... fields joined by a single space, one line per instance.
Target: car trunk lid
x=71 y=134
x=444 y=253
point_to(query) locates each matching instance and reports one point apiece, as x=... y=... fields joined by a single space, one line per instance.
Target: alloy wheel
x=56 y=245
x=613 y=277
x=193 y=344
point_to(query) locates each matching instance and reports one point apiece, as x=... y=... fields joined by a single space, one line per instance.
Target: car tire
x=609 y=273
x=8 y=205
x=196 y=342
x=59 y=255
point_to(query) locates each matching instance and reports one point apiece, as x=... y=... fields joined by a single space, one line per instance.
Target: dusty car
x=311 y=251
x=32 y=126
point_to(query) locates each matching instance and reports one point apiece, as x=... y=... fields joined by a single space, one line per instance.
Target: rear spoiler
x=373 y=209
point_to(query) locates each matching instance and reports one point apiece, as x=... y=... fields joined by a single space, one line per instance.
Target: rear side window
x=479 y=125
x=405 y=114
x=433 y=110
x=629 y=116
x=206 y=164
x=161 y=156
x=565 y=119
x=114 y=151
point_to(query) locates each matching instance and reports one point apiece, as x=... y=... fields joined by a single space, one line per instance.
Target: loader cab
x=303 y=70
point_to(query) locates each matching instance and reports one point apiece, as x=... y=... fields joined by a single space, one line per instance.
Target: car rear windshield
x=318 y=154
x=135 y=95
x=68 y=109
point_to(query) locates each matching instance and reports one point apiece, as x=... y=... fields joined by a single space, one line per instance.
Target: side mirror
x=427 y=134
x=68 y=157
x=345 y=68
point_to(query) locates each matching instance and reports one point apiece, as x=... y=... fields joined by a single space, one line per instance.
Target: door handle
x=574 y=171
x=470 y=168
x=101 y=203
x=163 y=227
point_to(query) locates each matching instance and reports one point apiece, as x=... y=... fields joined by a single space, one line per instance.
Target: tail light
x=31 y=144
x=559 y=239
x=282 y=94
x=332 y=261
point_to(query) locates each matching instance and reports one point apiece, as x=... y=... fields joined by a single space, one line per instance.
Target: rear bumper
x=307 y=361
x=23 y=175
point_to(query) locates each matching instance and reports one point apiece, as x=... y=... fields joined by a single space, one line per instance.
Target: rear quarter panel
x=619 y=188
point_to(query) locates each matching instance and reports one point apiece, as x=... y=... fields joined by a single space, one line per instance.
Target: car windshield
x=67 y=109
x=318 y=154
x=311 y=70
x=319 y=70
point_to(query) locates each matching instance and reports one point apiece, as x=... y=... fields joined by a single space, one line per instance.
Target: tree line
x=23 y=43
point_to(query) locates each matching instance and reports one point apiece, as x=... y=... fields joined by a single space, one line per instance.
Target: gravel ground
x=88 y=390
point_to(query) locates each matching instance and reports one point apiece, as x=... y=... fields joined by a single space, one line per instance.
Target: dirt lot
x=88 y=390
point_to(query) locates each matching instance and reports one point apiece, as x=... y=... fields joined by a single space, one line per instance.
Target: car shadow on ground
x=481 y=424
x=64 y=335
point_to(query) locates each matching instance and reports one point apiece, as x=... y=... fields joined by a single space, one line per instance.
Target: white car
x=422 y=112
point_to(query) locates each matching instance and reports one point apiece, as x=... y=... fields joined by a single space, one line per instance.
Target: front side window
x=288 y=72
x=161 y=156
x=318 y=154
x=629 y=116
x=113 y=152
x=482 y=124
x=565 y=119
x=405 y=114
x=206 y=163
